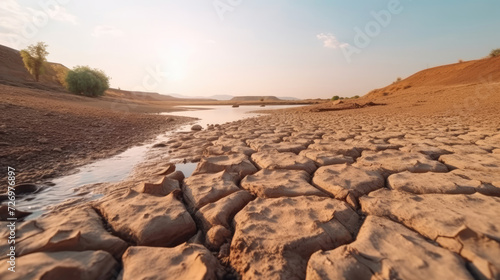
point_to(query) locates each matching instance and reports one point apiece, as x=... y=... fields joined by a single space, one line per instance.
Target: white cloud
x=19 y=24
x=63 y=15
x=12 y=15
x=330 y=41
x=107 y=31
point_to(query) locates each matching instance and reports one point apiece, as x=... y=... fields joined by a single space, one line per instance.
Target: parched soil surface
x=357 y=194
x=47 y=133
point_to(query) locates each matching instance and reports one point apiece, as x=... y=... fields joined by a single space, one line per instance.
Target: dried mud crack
x=296 y=195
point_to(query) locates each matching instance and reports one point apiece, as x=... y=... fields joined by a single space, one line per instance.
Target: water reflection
x=117 y=168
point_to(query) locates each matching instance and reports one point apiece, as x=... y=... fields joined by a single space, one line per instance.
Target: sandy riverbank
x=47 y=133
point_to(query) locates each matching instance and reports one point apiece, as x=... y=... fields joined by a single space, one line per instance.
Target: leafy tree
x=61 y=73
x=495 y=53
x=336 y=97
x=86 y=81
x=34 y=58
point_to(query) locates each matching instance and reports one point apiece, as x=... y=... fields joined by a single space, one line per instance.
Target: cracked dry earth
x=292 y=196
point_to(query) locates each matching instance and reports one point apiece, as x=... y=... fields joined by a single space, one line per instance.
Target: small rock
x=5 y=213
x=43 y=140
x=196 y=127
x=59 y=150
x=217 y=236
x=23 y=189
x=159 y=145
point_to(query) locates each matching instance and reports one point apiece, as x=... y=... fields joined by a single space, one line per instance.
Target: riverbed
x=119 y=167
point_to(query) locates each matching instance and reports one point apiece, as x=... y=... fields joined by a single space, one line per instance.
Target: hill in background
x=455 y=88
x=483 y=71
x=464 y=88
x=226 y=97
x=13 y=72
x=148 y=96
x=255 y=98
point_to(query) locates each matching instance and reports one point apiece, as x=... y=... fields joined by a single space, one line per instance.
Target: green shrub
x=495 y=53
x=336 y=97
x=355 y=97
x=86 y=81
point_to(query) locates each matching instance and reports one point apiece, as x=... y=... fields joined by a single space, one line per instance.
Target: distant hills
x=255 y=98
x=147 y=96
x=13 y=72
x=225 y=97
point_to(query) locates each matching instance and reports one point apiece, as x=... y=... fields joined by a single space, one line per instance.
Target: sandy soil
x=47 y=133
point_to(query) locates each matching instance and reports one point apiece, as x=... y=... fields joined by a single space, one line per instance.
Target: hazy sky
x=306 y=49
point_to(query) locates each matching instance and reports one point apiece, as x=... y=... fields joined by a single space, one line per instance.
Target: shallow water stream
x=118 y=167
